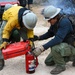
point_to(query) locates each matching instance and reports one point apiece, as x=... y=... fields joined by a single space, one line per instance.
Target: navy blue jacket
x=60 y=30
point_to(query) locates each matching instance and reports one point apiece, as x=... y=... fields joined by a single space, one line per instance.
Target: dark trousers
x=22 y=3
x=30 y=2
x=61 y=54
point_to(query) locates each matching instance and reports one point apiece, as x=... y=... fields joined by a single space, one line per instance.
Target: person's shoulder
x=65 y=20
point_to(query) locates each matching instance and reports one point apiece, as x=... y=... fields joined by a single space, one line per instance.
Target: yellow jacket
x=11 y=16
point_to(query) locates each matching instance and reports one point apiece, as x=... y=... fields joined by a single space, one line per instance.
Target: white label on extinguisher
x=31 y=66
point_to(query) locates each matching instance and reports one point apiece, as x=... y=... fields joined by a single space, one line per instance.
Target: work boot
x=57 y=70
x=1 y=64
x=73 y=64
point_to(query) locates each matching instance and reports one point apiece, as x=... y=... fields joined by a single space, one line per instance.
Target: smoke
x=67 y=6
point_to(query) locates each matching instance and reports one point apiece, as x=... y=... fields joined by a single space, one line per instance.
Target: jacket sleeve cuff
x=4 y=39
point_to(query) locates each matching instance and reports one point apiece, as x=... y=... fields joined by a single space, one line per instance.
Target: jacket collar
x=20 y=13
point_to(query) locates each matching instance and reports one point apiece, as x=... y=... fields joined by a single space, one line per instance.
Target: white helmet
x=29 y=19
x=7 y=6
x=50 y=12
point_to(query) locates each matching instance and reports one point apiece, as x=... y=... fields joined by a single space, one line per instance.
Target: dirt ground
x=16 y=66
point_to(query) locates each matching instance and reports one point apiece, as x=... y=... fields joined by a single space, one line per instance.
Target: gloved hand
x=3 y=45
x=35 y=38
x=37 y=51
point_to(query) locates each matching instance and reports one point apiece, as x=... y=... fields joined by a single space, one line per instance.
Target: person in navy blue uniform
x=27 y=3
x=62 y=44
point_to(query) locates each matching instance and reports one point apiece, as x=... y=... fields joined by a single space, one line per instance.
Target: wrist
x=42 y=48
x=5 y=40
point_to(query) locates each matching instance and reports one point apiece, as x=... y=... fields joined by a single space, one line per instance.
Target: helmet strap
x=26 y=13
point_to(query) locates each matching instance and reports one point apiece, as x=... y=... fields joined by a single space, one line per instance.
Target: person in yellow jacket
x=17 y=22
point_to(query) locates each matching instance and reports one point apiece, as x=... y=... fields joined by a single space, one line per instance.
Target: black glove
x=35 y=38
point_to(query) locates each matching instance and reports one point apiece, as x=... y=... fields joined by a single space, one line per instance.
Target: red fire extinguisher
x=31 y=63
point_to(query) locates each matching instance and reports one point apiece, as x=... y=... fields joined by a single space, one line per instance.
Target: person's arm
x=8 y=28
x=6 y=32
x=48 y=34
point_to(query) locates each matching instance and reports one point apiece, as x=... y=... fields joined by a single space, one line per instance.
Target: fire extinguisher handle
x=33 y=45
x=36 y=61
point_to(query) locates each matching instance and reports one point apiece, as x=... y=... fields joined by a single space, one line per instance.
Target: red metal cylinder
x=31 y=63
